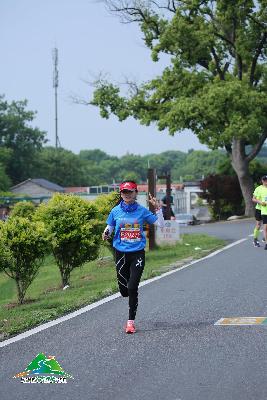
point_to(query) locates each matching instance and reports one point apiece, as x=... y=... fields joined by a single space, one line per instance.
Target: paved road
x=177 y=353
x=229 y=230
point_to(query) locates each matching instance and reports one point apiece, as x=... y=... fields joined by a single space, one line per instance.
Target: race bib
x=130 y=234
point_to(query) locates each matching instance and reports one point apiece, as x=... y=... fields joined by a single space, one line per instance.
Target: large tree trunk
x=241 y=167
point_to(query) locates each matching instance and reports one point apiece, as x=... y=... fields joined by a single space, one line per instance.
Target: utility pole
x=55 y=86
x=151 y=176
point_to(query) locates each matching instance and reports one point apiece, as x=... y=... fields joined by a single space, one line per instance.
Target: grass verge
x=45 y=299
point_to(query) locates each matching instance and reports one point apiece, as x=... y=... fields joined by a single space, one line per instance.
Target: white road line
x=58 y=320
x=107 y=299
x=219 y=322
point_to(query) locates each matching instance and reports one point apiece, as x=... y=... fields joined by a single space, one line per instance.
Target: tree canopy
x=19 y=141
x=63 y=167
x=216 y=82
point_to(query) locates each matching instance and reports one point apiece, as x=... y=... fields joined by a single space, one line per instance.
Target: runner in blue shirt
x=129 y=241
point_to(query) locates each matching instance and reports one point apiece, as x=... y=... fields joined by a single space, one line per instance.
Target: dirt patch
x=87 y=277
x=16 y=304
x=103 y=261
x=52 y=289
x=175 y=265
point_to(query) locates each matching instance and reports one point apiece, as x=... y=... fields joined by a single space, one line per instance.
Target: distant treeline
x=24 y=154
x=95 y=167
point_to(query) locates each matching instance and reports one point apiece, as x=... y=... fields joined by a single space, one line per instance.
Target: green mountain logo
x=43 y=364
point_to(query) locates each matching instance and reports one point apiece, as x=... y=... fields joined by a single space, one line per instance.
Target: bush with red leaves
x=223 y=195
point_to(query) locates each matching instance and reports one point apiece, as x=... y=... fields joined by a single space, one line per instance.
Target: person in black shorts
x=164 y=207
x=260 y=198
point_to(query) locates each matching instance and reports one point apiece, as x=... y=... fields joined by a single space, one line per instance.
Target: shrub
x=24 y=209
x=223 y=195
x=104 y=204
x=74 y=231
x=23 y=245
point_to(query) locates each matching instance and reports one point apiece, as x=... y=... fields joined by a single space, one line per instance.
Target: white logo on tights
x=139 y=262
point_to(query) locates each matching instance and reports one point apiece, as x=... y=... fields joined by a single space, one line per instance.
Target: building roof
x=43 y=183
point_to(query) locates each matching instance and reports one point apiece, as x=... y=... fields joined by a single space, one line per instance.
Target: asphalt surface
x=227 y=230
x=177 y=353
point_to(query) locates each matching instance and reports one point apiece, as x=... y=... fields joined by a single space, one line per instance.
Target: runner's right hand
x=106 y=235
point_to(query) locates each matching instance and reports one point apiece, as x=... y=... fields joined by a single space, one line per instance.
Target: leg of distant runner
x=264 y=220
x=256 y=234
x=257 y=228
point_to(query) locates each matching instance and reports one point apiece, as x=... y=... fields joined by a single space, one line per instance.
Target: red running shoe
x=130 y=327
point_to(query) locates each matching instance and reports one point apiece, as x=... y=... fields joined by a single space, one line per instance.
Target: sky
x=89 y=41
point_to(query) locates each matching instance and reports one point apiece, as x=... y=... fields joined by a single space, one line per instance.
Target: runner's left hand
x=153 y=201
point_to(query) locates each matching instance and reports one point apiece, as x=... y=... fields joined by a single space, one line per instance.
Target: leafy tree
x=132 y=164
x=256 y=169
x=225 y=168
x=102 y=168
x=63 y=167
x=95 y=155
x=23 y=246
x=216 y=82
x=17 y=137
x=166 y=162
x=5 y=156
x=199 y=163
x=131 y=176
x=74 y=231
x=5 y=182
x=108 y=171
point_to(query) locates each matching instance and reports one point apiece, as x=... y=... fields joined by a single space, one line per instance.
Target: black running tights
x=129 y=268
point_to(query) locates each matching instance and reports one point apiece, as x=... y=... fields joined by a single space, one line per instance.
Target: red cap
x=128 y=186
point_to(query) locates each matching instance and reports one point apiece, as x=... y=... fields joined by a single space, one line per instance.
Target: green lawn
x=45 y=299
